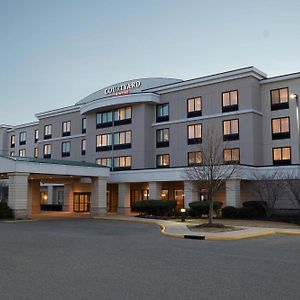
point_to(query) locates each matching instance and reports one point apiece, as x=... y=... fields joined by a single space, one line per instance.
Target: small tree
x=210 y=172
x=293 y=186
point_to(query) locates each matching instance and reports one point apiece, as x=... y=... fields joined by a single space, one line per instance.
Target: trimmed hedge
x=259 y=206
x=154 y=207
x=200 y=208
x=5 y=211
x=229 y=212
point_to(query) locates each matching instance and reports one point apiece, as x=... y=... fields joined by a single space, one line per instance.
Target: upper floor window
x=12 y=141
x=36 y=135
x=231 y=155
x=65 y=149
x=23 y=136
x=104 y=161
x=281 y=128
x=231 y=130
x=194 y=134
x=36 y=152
x=162 y=137
x=163 y=161
x=47 y=132
x=282 y=156
x=122 y=140
x=104 y=142
x=162 y=112
x=83 y=147
x=194 y=107
x=122 y=116
x=66 y=128
x=22 y=152
x=47 y=151
x=104 y=119
x=83 y=125
x=230 y=101
x=195 y=158
x=122 y=163
x=279 y=98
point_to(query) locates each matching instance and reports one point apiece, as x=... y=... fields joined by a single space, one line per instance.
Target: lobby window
x=122 y=115
x=47 y=151
x=22 y=152
x=194 y=107
x=231 y=156
x=279 y=98
x=36 y=135
x=122 y=140
x=162 y=137
x=163 y=161
x=83 y=147
x=35 y=152
x=83 y=125
x=65 y=149
x=104 y=142
x=164 y=195
x=145 y=194
x=281 y=128
x=195 y=158
x=282 y=156
x=231 y=130
x=66 y=128
x=12 y=141
x=23 y=136
x=162 y=112
x=104 y=161
x=194 y=134
x=230 y=101
x=122 y=163
x=47 y=132
x=104 y=119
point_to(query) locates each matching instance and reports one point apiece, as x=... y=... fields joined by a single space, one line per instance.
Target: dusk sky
x=54 y=53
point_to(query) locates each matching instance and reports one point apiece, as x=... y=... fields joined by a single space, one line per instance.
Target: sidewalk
x=180 y=230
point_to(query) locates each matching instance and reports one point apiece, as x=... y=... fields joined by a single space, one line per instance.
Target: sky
x=53 y=53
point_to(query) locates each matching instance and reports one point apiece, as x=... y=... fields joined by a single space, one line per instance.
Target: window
x=104 y=119
x=66 y=128
x=162 y=112
x=163 y=161
x=83 y=147
x=83 y=125
x=281 y=128
x=231 y=155
x=230 y=101
x=12 y=141
x=36 y=135
x=104 y=142
x=195 y=158
x=122 y=140
x=194 y=107
x=65 y=149
x=22 y=138
x=282 y=156
x=104 y=161
x=164 y=195
x=162 y=138
x=22 y=152
x=231 y=130
x=12 y=153
x=122 y=163
x=194 y=134
x=35 y=152
x=279 y=98
x=47 y=132
x=122 y=116
x=47 y=151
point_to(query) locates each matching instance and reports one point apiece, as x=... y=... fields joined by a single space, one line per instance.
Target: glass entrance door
x=81 y=202
x=179 y=197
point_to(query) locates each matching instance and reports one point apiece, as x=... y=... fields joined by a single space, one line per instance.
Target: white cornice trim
x=63 y=138
x=281 y=78
x=21 y=126
x=58 y=112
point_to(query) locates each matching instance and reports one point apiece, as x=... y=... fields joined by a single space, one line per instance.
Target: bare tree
x=210 y=172
x=293 y=187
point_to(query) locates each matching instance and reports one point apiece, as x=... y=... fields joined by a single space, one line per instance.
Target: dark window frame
x=231 y=107
x=83 y=128
x=194 y=141
x=163 y=118
x=122 y=121
x=121 y=168
x=22 y=142
x=280 y=105
x=64 y=153
x=157 y=161
x=194 y=113
x=125 y=145
x=12 y=144
x=281 y=135
x=188 y=158
x=232 y=136
x=104 y=124
x=231 y=161
x=66 y=133
x=162 y=144
x=47 y=136
x=104 y=148
x=282 y=162
x=47 y=155
x=36 y=135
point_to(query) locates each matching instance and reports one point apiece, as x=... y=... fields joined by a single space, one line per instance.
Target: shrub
x=154 y=207
x=200 y=208
x=229 y=212
x=5 y=211
x=259 y=206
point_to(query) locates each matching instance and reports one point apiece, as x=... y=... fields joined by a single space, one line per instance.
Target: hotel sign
x=122 y=89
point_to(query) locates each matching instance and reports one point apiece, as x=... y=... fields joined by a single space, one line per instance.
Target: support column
x=154 y=190
x=18 y=194
x=233 y=192
x=34 y=198
x=98 y=196
x=124 y=198
x=68 y=198
x=191 y=193
x=50 y=194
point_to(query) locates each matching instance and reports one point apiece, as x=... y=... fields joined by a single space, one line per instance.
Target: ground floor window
x=81 y=202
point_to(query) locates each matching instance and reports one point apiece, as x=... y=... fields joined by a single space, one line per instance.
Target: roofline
x=6 y=126
x=13 y=128
x=281 y=77
x=57 y=112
